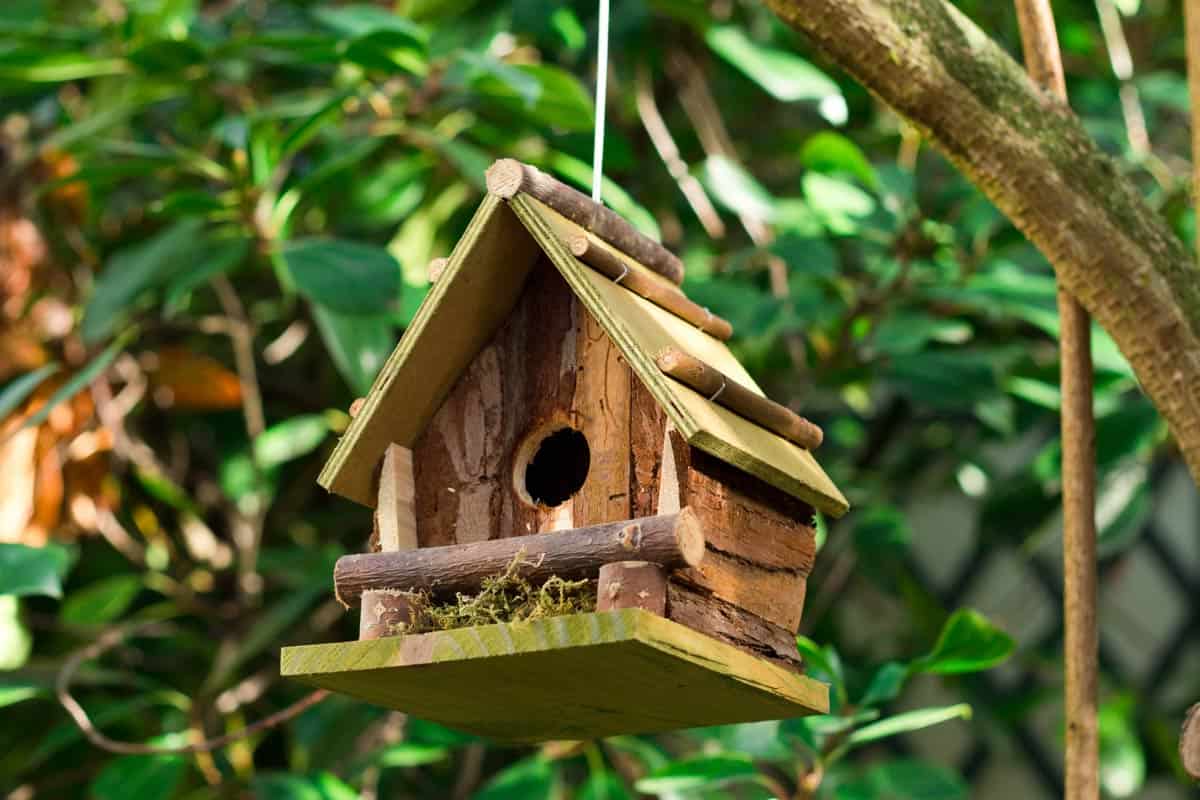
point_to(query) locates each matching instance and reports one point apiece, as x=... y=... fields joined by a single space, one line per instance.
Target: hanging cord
x=601 y=97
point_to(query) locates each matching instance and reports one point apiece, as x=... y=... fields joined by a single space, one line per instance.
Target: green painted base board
x=573 y=677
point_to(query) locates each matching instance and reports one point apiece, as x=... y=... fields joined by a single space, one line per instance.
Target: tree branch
x=113 y=637
x=1030 y=155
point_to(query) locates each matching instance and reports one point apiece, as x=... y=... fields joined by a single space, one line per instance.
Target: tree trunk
x=1029 y=154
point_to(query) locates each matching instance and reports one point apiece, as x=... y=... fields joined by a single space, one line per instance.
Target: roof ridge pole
x=1081 y=646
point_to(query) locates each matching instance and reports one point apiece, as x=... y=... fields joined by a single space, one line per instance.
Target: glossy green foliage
x=239 y=202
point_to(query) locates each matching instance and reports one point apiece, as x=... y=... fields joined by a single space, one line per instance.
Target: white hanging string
x=601 y=96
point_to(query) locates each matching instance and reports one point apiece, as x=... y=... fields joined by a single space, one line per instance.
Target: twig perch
x=1081 y=645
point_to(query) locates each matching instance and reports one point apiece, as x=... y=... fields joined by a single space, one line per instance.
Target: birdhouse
x=560 y=413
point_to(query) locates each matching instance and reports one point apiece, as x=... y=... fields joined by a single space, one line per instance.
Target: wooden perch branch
x=1030 y=155
x=661 y=294
x=669 y=540
x=725 y=391
x=507 y=177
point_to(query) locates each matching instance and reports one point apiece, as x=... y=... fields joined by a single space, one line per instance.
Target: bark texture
x=1029 y=153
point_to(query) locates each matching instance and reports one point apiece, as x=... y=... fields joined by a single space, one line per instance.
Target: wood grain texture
x=619 y=268
x=641 y=329
x=381 y=612
x=672 y=540
x=761 y=547
x=647 y=432
x=632 y=584
x=727 y=392
x=395 y=510
x=481 y=285
x=576 y=677
x=521 y=382
x=508 y=177
x=600 y=411
x=700 y=611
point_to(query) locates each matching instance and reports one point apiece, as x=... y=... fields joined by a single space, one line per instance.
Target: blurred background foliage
x=215 y=221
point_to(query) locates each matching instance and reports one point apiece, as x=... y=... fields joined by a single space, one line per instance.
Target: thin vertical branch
x=668 y=151
x=1081 y=647
x=1122 y=66
x=1189 y=738
x=1191 y=14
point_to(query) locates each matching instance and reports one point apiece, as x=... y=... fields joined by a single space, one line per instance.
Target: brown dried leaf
x=192 y=381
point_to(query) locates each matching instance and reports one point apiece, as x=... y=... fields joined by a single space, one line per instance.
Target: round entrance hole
x=558 y=468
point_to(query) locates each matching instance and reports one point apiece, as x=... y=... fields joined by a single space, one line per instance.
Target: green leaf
x=824 y=664
x=1122 y=758
x=736 y=189
x=15 y=639
x=881 y=533
x=11 y=695
x=784 y=75
x=969 y=642
x=19 y=389
x=306 y=129
x=32 y=570
x=542 y=93
x=78 y=381
x=531 y=778
x=603 y=786
x=347 y=277
x=885 y=684
x=839 y=204
x=907 y=722
x=290 y=439
x=33 y=66
x=364 y=20
x=908 y=332
x=698 y=773
x=410 y=754
x=102 y=601
x=358 y=345
x=149 y=777
x=909 y=779
x=831 y=152
x=219 y=256
x=136 y=269
x=322 y=786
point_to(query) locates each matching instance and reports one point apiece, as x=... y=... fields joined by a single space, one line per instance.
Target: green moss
x=506 y=597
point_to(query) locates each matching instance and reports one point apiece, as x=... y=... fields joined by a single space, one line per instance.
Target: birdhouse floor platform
x=572 y=677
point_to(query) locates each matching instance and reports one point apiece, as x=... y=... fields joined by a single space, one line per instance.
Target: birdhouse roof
x=475 y=293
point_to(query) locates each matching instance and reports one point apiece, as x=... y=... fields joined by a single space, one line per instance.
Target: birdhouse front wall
x=550 y=368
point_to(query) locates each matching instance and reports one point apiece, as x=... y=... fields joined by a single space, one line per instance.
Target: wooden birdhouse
x=559 y=404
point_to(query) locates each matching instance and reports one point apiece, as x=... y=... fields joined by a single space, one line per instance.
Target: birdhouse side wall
x=760 y=544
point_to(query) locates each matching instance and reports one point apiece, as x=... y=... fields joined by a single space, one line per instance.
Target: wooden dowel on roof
x=507 y=177
x=723 y=390
x=435 y=269
x=658 y=292
x=670 y=540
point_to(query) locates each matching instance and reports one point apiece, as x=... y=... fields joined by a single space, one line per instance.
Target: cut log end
x=1189 y=742
x=632 y=584
x=579 y=246
x=505 y=177
x=689 y=533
